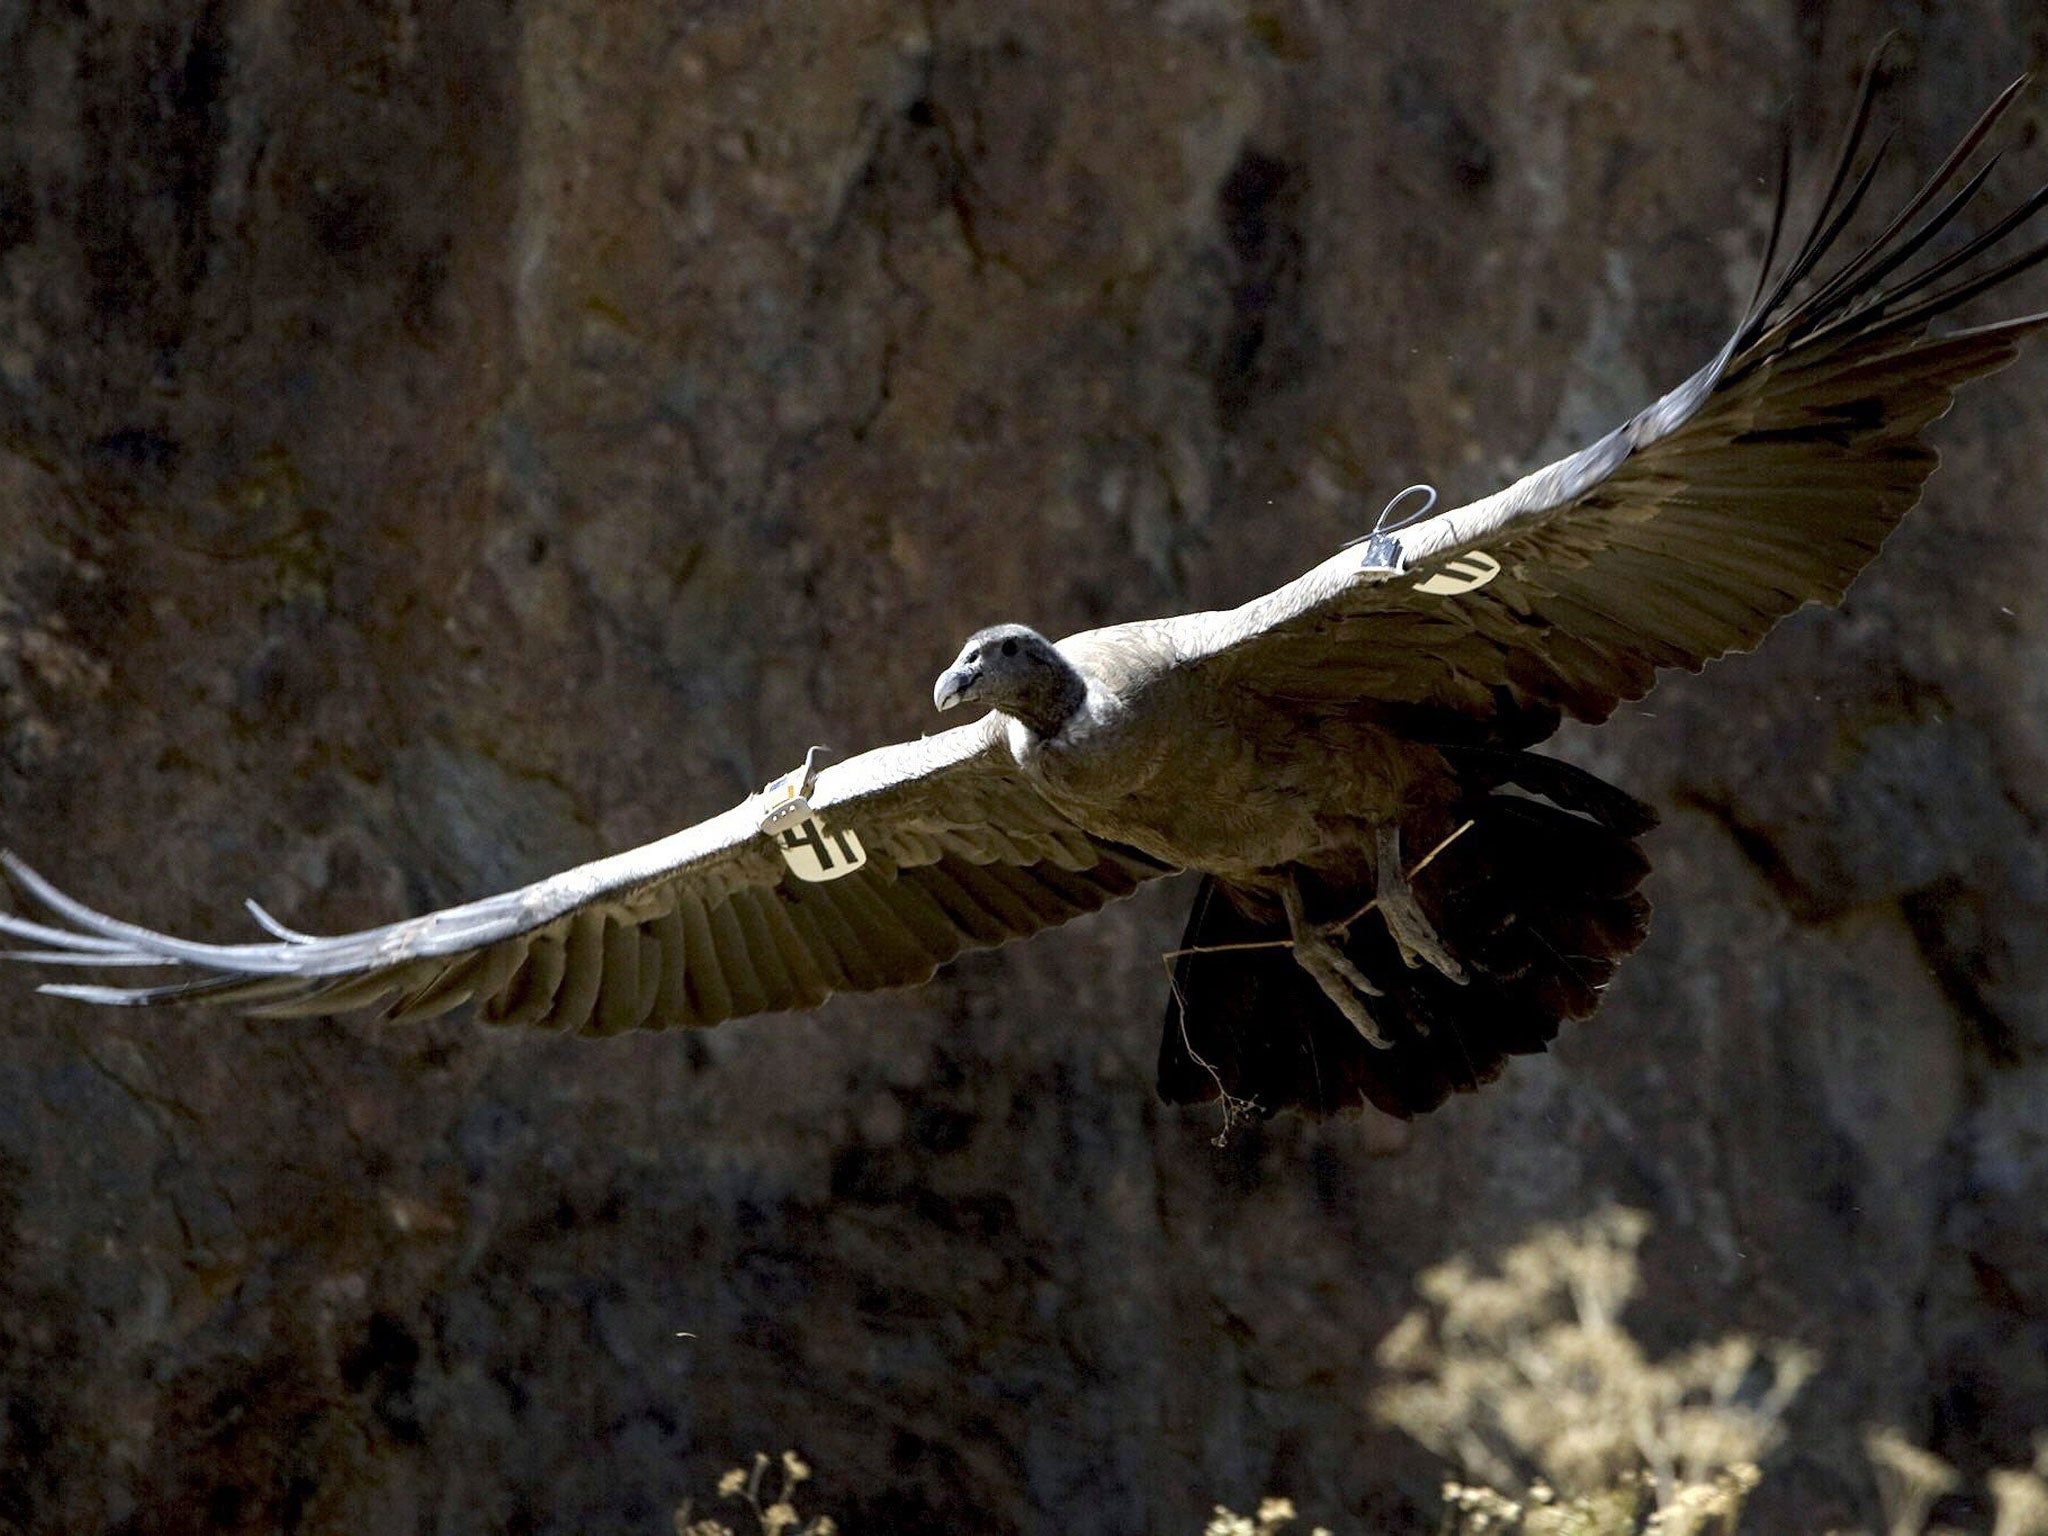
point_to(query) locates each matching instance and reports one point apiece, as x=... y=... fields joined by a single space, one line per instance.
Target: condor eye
x=1009 y=647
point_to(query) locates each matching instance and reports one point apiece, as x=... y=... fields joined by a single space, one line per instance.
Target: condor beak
x=955 y=685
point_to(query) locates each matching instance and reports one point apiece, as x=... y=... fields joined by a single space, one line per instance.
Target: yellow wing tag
x=811 y=851
x=1468 y=573
x=814 y=854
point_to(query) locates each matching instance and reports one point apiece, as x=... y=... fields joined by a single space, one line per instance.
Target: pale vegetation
x=1526 y=1380
x=770 y=1514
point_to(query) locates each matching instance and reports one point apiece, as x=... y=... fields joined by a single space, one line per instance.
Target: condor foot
x=1413 y=934
x=1316 y=952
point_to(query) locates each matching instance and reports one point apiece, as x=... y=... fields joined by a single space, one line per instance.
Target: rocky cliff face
x=443 y=442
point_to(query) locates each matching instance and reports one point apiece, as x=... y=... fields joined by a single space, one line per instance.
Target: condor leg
x=1315 y=952
x=1413 y=934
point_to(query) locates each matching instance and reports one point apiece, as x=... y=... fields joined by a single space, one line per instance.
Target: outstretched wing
x=902 y=858
x=1765 y=481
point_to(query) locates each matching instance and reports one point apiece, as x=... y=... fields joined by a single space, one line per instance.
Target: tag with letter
x=813 y=853
x=1468 y=573
x=811 y=850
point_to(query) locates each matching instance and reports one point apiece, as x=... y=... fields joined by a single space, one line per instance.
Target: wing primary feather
x=448 y=987
x=1999 y=330
x=82 y=943
x=806 y=974
x=710 y=998
x=1826 y=236
x=749 y=994
x=1778 y=207
x=618 y=998
x=530 y=994
x=273 y=927
x=831 y=951
x=332 y=995
x=651 y=962
x=118 y=959
x=1825 y=224
x=1874 y=264
x=217 y=987
x=268 y=959
x=1879 y=317
x=672 y=1002
x=583 y=974
x=1916 y=316
x=1861 y=267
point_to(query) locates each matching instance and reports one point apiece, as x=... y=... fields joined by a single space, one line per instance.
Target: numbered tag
x=814 y=854
x=1468 y=573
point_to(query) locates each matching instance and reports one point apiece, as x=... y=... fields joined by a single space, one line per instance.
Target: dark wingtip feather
x=1888 y=251
x=1854 y=301
x=1827 y=219
x=1779 y=206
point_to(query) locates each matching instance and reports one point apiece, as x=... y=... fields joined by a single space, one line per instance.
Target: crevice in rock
x=148 y=221
x=1755 y=844
x=1423 y=103
x=1259 y=209
x=1958 y=968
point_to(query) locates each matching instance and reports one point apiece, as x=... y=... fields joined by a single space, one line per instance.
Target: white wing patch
x=813 y=853
x=1468 y=573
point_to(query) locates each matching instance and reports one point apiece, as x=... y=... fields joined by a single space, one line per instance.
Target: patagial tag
x=1380 y=556
x=786 y=801
x=1468 y=573
x=813 y=853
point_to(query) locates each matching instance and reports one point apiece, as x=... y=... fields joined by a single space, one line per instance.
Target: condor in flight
x=1396 y=892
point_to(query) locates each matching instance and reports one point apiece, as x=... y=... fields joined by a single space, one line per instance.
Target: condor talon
x=1342 y=982
x=1414 y=934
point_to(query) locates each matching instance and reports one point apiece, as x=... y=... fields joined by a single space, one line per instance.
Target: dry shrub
x=1911 y=1480
x=1527 y=1380
x=1274 y=1516
x=2022 y=1497
x=773 y=1514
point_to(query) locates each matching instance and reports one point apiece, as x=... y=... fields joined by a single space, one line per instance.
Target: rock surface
x=443 y=442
